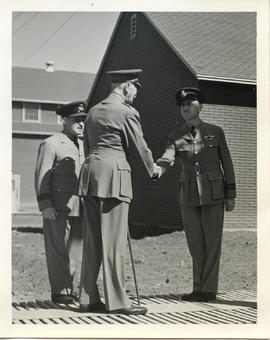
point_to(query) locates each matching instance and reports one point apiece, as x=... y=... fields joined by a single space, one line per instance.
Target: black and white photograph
x=138 y=184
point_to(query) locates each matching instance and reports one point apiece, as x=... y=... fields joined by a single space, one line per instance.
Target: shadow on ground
x=141 y=231
x=136 y=231
x=249 y=304
x=28 y=230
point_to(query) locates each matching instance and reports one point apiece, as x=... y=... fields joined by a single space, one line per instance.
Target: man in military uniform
x=112 y=132
x=207 y=182
x=56 y=178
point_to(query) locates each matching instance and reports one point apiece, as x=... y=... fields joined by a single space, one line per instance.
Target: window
x=31 y=112
x=133 y=26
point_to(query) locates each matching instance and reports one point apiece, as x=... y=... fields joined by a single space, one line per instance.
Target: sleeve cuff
x=230 y=192
x=44 y=201
x=165 y=164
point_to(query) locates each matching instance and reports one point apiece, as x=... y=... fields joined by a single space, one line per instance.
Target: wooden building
x=214 y=51
x=35 y=96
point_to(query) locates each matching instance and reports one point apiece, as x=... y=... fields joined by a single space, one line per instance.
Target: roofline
x=227 y=80
x=14 y=68
x=170 y=44
x=41 y=101
x=103 y=59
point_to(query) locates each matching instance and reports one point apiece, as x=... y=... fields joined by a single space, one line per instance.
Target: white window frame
x=30 y=120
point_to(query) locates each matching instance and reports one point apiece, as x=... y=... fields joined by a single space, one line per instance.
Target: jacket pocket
x=210 y=143
x=217 y=184
x=185 y=187
x=125 y=180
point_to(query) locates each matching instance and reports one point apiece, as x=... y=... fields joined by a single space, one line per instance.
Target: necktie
x=75 y=141
x=193 y=131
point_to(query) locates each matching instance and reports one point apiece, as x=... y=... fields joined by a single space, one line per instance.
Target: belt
x=198 y=168
x=108 y=153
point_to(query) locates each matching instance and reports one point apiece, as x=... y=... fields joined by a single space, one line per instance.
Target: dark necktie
x=193 y=131
x=75 y=141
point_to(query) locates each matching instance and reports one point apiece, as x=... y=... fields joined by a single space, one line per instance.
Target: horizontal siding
x=48 y=114
x=36 y=127
x=17 y=111
x=23 y=164
x=240 y=127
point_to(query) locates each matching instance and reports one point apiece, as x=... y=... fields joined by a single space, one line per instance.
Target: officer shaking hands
x=207 y=184
x=112 y=132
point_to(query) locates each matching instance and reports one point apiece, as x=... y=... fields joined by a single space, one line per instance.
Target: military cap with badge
x=189 y=93
x=73 y=109
x=126 y=76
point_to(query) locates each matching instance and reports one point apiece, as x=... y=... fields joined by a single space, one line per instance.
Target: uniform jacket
x=56 y=174
x=112 y=132
x=207 y=174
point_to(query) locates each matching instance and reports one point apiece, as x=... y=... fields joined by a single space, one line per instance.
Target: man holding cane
x=112 y=132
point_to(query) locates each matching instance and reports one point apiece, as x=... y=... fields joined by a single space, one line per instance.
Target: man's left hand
x=229 y=204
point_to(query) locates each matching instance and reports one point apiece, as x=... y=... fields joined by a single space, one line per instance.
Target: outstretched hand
x=157 y=172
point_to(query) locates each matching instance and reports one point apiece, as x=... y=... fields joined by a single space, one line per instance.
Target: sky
x=74 y=41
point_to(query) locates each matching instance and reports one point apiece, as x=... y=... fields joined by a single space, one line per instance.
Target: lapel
x=68 y=142
x=186 y=134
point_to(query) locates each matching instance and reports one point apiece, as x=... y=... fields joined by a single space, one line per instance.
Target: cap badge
x=80 y=108
x=183 y=93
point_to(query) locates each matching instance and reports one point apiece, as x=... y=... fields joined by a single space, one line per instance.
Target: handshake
x=157 y=172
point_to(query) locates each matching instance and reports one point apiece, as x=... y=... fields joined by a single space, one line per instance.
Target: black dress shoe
x=62 y=298
x=132 y=310
x=208 y=296
x=93 y=308
x=195 y=296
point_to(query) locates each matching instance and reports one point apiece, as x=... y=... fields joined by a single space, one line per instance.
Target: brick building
x=35 y=96
x=213 y=51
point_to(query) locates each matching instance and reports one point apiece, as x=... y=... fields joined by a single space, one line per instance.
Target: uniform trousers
x=63 y=244
x=105 y=239
x=203 y=227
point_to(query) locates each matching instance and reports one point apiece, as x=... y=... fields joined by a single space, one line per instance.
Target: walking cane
x=133 y=268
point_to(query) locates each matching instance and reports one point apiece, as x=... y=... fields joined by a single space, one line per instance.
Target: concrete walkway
x=235 y=307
